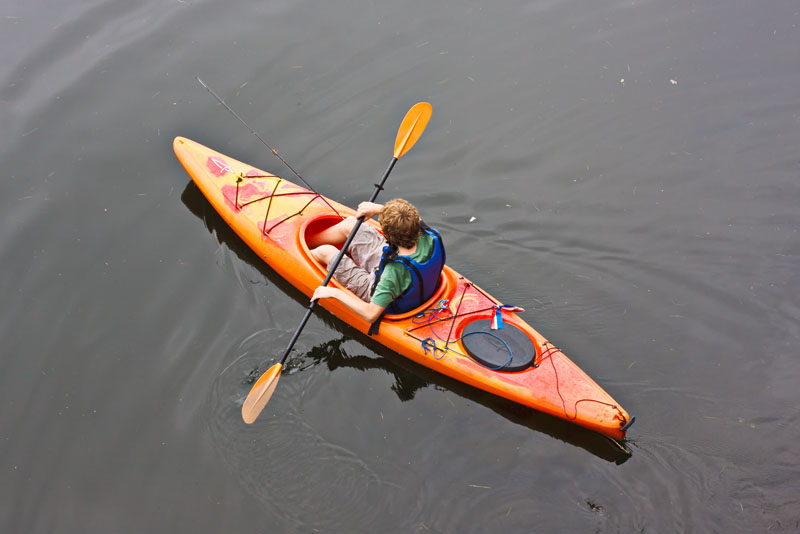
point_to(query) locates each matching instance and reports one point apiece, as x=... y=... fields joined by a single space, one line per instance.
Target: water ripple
x=283 y=459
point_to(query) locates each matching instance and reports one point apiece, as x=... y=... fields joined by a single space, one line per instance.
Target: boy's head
x=399 y=221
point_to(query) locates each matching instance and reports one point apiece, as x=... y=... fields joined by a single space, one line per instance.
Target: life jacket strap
x=389 y=254
x=375 y=326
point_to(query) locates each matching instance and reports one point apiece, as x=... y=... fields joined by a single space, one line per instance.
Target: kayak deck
x=275 y=217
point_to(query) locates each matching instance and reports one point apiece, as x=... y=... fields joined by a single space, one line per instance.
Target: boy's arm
x=368 y=311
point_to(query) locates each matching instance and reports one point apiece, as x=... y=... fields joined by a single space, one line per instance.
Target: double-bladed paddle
x=410 y=130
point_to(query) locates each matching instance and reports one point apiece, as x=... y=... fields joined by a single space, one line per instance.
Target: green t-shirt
x=396 y=278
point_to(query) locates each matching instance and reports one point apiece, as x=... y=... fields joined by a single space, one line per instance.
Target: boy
x=394 y=274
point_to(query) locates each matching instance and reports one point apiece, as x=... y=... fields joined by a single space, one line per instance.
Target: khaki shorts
x=356 y=271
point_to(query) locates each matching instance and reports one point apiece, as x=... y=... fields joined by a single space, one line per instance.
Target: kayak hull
x=274 y=216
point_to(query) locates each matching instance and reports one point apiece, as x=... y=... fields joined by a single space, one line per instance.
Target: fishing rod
x=275 y=152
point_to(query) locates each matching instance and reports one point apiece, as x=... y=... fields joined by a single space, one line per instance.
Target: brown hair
x=399 y=221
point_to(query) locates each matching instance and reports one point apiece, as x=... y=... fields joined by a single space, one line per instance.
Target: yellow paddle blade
x=411 y=128
x=260 y=393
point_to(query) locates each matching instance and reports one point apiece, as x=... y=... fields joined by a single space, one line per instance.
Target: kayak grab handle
x=627 y=425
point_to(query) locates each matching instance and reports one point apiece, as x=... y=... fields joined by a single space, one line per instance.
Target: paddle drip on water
x=251 y=376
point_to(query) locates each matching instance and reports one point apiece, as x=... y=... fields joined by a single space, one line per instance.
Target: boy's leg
x=348 y=273
x=356 y=269
x=334 y=235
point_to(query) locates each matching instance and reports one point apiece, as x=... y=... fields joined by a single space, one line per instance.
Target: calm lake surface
x=629 y=172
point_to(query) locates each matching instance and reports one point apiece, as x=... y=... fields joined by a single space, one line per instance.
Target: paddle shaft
x=335 y=264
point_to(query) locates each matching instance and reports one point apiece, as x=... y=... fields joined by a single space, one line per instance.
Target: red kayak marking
x=283 y=234
x=255 y=191
x=217 y=166
x=247 y=191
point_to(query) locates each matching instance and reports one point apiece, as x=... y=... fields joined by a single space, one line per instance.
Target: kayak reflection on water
x=410 y=378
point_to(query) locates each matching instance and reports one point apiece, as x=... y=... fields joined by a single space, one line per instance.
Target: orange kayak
x=450 y=333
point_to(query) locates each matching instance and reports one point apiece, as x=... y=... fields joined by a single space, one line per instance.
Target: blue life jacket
x=424 y=275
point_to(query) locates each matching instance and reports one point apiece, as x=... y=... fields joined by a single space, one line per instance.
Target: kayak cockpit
x=315 y=225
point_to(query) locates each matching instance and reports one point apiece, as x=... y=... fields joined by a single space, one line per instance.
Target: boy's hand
x=324 y=292
x=368 y=209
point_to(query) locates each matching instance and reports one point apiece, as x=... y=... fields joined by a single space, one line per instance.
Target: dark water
x=633 y=171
